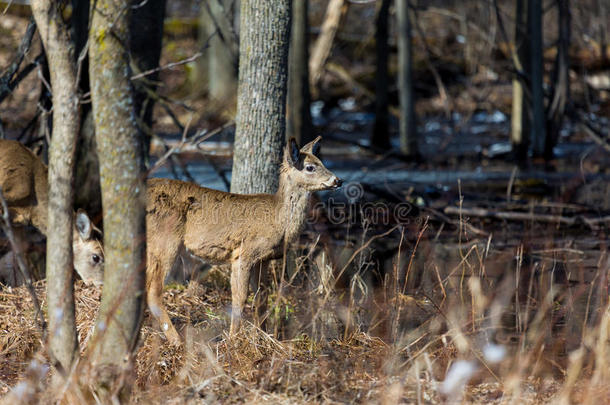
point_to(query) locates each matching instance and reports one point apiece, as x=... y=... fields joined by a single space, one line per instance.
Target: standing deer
x=222 y=227
x=23 y=178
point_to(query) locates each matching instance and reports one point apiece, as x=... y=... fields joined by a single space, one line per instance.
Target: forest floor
x=470 y=279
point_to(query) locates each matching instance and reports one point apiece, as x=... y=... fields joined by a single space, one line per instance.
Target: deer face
x=306 y=170
x=88 y=250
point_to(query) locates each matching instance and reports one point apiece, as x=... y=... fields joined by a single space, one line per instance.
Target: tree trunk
x=145 y=40
x=408 y=128
x=146 y=32
x=534 y=19
x=261 y=100
x=561 y=80
x=299 y=114
x=321 y=49
x=381 y=134
x=120 y=151
x=59 y=48
x=521 y=111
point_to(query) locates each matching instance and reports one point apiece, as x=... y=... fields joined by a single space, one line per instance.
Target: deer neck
x=292 y=203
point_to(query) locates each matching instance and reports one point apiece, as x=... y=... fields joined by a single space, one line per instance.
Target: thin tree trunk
x=261 y=101
x=145 y=40
x=538 y=114
x=561 y=80
x=55 y=34
x=521 y=111
x=321 y=49
x=216 y=72
x=408 y=128
x=381 y=134
x=120 y=151
x=299 y=98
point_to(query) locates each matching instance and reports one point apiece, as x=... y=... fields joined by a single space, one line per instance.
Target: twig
x=168 y=66
x=23 y=268
x=190 y=59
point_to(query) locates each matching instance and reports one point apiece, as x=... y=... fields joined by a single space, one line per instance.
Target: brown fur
x=222 y=227
x=23 y=178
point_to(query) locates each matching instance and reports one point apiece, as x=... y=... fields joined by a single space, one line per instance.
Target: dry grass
x=461 y=347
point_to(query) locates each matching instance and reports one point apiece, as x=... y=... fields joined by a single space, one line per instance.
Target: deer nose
x=338 y=182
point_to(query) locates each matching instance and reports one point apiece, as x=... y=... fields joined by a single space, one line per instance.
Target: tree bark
x=120 y=151
x=59 y=48
x=261 y=100
x=381 y=134
x=300 y=126
x=408 y=128
x=534 y=24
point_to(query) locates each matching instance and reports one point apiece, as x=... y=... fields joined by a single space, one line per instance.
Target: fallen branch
x=526 y=216
x=514 y=216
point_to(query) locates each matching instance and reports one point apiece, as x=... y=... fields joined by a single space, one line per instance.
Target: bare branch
x=7 y=82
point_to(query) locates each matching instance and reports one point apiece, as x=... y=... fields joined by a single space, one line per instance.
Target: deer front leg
x=240 y=272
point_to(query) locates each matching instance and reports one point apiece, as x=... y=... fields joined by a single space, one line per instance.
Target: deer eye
x=96 y=259
x=310 y=168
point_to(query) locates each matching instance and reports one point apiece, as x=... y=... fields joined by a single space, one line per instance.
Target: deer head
x=88 y=250
x=304 y=170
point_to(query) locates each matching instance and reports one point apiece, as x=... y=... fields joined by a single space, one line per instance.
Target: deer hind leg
x=240 y=274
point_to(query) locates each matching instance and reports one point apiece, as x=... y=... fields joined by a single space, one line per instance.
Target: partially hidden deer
x=221 y=227
x=23 y=178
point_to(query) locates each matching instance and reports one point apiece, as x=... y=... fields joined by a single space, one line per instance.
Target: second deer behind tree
x=222 y=227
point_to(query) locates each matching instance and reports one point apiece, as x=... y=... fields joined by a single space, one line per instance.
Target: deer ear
x=312 y=147
x=83 y=225
x=292 y=152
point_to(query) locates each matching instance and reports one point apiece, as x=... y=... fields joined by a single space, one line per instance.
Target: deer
x=24 y=183
x=219 y=227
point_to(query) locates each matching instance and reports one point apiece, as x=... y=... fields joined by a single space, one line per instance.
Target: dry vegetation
x=467 y=336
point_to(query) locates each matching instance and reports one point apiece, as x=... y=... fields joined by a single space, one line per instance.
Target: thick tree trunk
x=381 y=134
x=561 y=80
x=299 y=98
x=408 y=128
x=534 y=24
x=261 y=101
x=521 y=111
x=59 y=48
x=120 y=151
